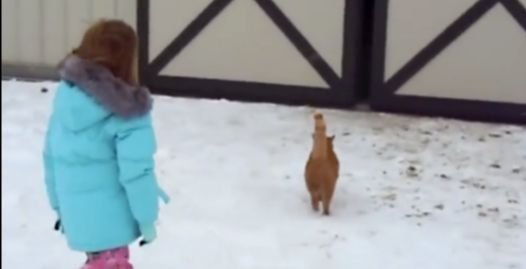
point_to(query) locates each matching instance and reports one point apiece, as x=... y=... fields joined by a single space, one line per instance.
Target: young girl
x=98 y=156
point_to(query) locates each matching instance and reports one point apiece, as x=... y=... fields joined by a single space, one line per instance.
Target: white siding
x=41 y=32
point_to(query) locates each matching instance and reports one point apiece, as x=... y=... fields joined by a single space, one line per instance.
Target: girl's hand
x=149 y=234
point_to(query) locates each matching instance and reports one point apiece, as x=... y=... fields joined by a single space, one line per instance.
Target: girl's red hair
x=112 y=44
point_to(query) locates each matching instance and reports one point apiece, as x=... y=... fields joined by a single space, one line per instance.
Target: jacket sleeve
x=135 y=148
x=49 y=173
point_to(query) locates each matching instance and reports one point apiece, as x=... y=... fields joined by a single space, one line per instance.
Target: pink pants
x=110 y=259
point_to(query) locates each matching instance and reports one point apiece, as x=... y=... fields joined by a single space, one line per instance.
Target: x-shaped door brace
x=450 y=34
x=275 y=14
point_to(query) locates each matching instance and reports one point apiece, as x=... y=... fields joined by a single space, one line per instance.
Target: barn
x=452 y=58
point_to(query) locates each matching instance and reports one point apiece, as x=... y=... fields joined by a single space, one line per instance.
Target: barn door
x=460 y=58
x=303 y=52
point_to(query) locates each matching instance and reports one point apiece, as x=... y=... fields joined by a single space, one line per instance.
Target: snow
x=413 y=192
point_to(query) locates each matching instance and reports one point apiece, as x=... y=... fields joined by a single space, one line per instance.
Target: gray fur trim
x=115 y=95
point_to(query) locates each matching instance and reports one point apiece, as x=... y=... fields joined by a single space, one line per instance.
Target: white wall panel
x=412 y=24
x=42 y=32
x=9 y=30
x=242 y=43
x=168 y=18
x=29 y=27
x=321 y=22
x=487 y=63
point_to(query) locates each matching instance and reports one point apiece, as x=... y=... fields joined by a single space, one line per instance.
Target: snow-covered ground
x=413 y=193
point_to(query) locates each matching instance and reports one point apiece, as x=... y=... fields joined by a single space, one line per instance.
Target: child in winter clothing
x=98 y=154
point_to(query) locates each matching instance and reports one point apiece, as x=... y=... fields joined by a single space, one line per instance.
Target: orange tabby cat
x=322 y=169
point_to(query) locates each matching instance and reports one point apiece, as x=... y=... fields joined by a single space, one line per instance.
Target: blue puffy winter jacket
x=98 y=158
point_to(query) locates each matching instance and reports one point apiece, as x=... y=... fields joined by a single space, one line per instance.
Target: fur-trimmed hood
x=112 y=93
